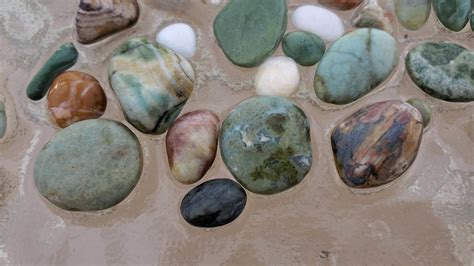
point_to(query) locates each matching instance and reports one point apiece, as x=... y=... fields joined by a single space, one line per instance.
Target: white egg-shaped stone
x=319 y=21
x=180 y=38
x=278 y=76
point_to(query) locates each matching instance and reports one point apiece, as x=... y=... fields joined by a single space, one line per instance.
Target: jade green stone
x=3 y=120
x=354 y=65
x=265 y=142
x=423 y=108
x=443 y=70
x=453 y=14
x=412 y=14
x=89 y=166
x=304 y=47
x=64 y=58
x=249 y=31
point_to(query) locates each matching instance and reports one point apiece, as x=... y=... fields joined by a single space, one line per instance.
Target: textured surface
x=214 y=203
x=341 y=4
x=89 y=166
x=265 y=142
x=377 y=144
x=372 y=15
x=443 y=70
x=453 y=14
x=304 y=47
x=412 y=14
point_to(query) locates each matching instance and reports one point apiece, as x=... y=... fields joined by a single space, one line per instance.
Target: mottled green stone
x=354 y=65
x=443 y=70
x=3 y=120
x=91 y=165
x=249 y=31
x=412 y=14
x=265 y=142
x=304 y=47
x=423 y=108
x=453 y=14
x=64 y=58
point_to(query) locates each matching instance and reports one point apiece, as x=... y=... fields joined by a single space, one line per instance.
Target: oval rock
x=412 y=14
x=453 y=14
x=304 y=47
x=377 y=144
x=277 y=76
x=319 y=21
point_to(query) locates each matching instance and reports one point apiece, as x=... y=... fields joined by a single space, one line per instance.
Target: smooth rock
x=89 y=166
x=453 y=14
x=319 y=21
x=341 y=4
x=472 y=22
x=377 y=144
x=3 y=120
x=277 y=76
x=303 y=47
x=372 y=15
x=443 y=70
x=75 y=96
x=191 y=144
x=152 y=83
x=178 y=37
x=249 y=31
x=354 y=65
x=413 y=14
x=213 y=203
x=96 y=19
x=62 y=59
x=265 y=142
x=423 y=108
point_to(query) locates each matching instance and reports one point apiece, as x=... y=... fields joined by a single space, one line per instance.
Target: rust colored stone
x=341 y=4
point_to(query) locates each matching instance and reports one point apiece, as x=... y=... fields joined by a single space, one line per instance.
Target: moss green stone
x=89 y=166
x=423 y=108
x=304 y=47
x=64 y=58
x=265 y=142
x=453 y=14
x=413 y=14
x=443 y=70
x=249 y=31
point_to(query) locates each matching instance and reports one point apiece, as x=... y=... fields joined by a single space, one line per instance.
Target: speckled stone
x=191 y=145
x=412 y=14
x=62 y=59
x=213 y=203
x=423 y=108
x=377 y=144
x=265 y=142
x=152 y=83
x=372 y=15
x=453 y=14
x=354 y=65
x=443 y=70
x=89 y=166
x=75 y=96
x=304 y=47
x=3 y=120
x=341 y=4
x=249 y=31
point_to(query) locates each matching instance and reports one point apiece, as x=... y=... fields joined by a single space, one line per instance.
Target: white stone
x=277 y=76
x=178 y=37
x=319 y=21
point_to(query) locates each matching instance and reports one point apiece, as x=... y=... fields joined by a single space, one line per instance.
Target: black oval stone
x=213 y=203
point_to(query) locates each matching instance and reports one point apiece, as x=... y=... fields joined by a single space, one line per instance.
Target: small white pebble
x=319 y=21
x=178 y=37
x=277 y=76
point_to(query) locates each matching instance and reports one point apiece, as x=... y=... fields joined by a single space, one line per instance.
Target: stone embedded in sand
x=423 y=108
x=341 y=4
x=75 y=96
x=372 y=15
x=453 y=14
x=89 y=166
x=178 y=37
x=152 y=83
x=319 y=21
x=277 y=76
x=191 y=144
x=377 y=144
x=303 y=47
x=96 y=19
x=3 y=120
x=412 y=14
x=62 y=59
x=213 y=203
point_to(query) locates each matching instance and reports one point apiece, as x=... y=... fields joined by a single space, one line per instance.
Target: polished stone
x=180 y=38
x=453 y=14
x=423 y=108
x=372 y=15
x=277 y=76
x=412 y=14
x=341 y=4
x=303 y=47
x=320 y=21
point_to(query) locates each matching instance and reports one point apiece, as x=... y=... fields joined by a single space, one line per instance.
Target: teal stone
x=249 y=31
x=265 y=142
x=64 y=58
x=443 y=70
x=89 y=166
x=304 y=47
x=3 y=120
x=453 y=14
x=152 y=83
x=412 y=14
x=423 y=108
x=354 y=65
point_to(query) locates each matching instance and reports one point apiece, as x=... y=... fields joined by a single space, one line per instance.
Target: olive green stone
x=423 y=108
x=91 y=165
x=304 y=47
x=453 y=14
x=265 y=142
x=443 y=70
x=412 y=14
x=64 y=58
x=249 y=31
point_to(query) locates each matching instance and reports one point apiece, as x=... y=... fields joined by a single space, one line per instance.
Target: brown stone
x=75 y=96
x=341 y=4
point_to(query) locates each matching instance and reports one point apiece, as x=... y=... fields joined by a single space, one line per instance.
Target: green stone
x=412 y=14
x=89 y=166
x=64 y=58
x=443 y=70
x=304 y=47
x=249 y=31
x=472 y=22
x=423 y=108
x=265 y=142
x=3 y=120
x=354 y=65
x=453 y=14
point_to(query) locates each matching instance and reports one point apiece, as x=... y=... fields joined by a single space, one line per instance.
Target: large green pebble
x=304 y=47
x=453 y=14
